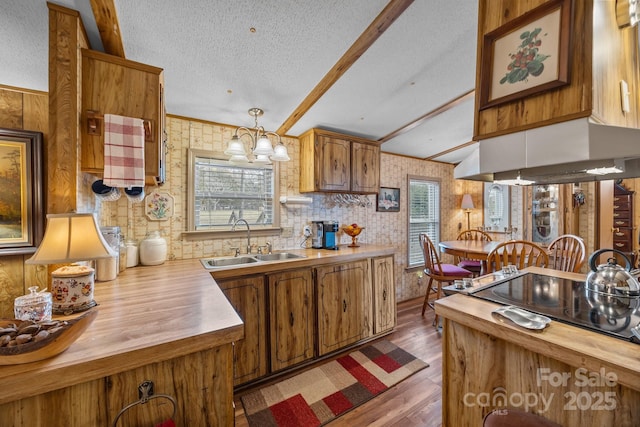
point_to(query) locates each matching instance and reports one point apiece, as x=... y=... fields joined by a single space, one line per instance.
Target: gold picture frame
x=527 y=55
x=21 y=196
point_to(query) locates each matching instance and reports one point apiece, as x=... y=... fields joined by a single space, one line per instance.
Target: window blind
x=225 y=193
x=424 y=216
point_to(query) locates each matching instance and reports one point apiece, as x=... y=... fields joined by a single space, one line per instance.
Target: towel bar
x=95 y=119
x=145 y=392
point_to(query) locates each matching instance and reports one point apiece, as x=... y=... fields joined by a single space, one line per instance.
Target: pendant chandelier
x=261 y=148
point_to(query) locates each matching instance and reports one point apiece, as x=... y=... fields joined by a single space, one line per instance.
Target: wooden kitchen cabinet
x=291 y=317
x=113 y=85
x=344 y=304
x=247 y=296
x=384 y=295
x=334 y=162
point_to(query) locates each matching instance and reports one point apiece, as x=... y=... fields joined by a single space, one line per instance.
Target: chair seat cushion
x=470 y=264
x=453 y=270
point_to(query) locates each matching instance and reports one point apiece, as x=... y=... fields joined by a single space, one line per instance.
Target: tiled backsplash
x=389 y=228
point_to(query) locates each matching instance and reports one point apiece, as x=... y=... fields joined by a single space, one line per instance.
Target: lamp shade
x=280 y=154
x=467 y=202
x=71 y=237
x=263 y=146
x=235 y=147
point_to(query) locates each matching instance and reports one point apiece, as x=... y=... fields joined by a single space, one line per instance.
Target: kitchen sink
x=278 y=256
x=226 y=262
x=211 y=263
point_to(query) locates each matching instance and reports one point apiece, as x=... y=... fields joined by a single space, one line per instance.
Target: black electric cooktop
x=567 y=301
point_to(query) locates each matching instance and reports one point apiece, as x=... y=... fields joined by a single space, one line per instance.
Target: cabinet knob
x=291 y=319
x=384 y=295
x=344 y=306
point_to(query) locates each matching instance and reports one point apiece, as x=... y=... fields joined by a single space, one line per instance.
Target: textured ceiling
x=217 y=67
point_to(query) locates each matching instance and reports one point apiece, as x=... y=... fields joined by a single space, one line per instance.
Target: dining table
x=469 y=249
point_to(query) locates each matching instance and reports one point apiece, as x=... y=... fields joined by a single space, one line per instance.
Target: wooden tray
x=49 y=347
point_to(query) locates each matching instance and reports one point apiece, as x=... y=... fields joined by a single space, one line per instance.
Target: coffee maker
x=330 y=229
x=317 y=234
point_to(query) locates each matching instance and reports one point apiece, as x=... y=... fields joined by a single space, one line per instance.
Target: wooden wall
x=601 y=54
x=26 y=110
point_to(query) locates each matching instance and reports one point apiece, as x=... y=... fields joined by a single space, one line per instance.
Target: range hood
x=556 y=154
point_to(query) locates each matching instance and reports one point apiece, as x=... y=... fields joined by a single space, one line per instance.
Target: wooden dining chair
x=520 y=253
x=437 y=272
x=567 y=253
x=516 y=417
x=472 y=265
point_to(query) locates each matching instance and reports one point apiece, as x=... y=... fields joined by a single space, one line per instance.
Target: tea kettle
x=611 y=278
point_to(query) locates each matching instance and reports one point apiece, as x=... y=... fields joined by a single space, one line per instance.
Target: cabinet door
x=365 y=167
x=344 y=305
x=247 y=297
x=333 y=163
x=384 y=294
x=109 y=84
x=291 y=318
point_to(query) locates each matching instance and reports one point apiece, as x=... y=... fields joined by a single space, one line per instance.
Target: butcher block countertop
x=569 y=344
x=147 y=315
x=155 y=313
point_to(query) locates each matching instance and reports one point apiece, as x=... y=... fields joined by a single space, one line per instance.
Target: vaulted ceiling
x=401 y=72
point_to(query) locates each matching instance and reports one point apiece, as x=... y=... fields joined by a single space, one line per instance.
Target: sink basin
x=279 y=256
x=226 y=262
x=211 y=263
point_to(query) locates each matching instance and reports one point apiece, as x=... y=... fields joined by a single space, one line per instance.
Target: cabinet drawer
x=621 y=206
x=623 y=234
x=621 y=222
x=620 y=215
x=622 y=198
x=622 y=246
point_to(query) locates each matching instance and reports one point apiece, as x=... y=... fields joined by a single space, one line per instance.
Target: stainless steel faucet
x=233 y=228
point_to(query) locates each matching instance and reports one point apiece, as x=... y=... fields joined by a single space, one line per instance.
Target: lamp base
x=72 y=289
x=73 y=309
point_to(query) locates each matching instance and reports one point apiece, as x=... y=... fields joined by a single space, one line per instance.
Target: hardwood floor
x=416 y=401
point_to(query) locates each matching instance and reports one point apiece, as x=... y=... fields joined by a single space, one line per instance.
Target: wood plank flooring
x=416 y=401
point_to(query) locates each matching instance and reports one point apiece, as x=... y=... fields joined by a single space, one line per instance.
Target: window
x=424 y=215
x=220 y=193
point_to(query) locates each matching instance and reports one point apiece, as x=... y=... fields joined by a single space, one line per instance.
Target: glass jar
x=122 y=255
x=153 y=249
x=35 y=306
x=132 y=253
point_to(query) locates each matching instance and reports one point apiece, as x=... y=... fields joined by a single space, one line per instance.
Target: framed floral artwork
x=158 y=206
x=527 y=55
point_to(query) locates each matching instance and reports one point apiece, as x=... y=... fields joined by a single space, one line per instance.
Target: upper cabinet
x=599 y=56
x=113 y=85
x=333 y=162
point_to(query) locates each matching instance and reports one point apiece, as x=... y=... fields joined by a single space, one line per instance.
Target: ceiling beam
x=379 y=25
x=420 y=120
x=450 y=150
x=106 y=17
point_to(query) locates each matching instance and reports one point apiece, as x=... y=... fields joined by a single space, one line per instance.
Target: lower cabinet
x=344 y=305
x=291 y=317
x=384 y=294
x=247 y=296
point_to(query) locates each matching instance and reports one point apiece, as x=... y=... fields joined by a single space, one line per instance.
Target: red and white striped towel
x=123 y=151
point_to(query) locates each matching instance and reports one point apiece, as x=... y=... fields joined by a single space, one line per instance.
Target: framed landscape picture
x=21 y=197
x=388 y=200
x=527 y=55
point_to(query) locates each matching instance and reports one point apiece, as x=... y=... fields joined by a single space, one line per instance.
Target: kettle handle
x=594 y=256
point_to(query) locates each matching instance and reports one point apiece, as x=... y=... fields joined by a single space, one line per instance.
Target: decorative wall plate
x=158 y=206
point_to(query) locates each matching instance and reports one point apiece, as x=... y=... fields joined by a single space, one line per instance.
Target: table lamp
x=467 y=205
x=68 y=238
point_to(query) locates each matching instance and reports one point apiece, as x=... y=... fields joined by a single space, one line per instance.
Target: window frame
x=435 y=240
x=192 y=234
